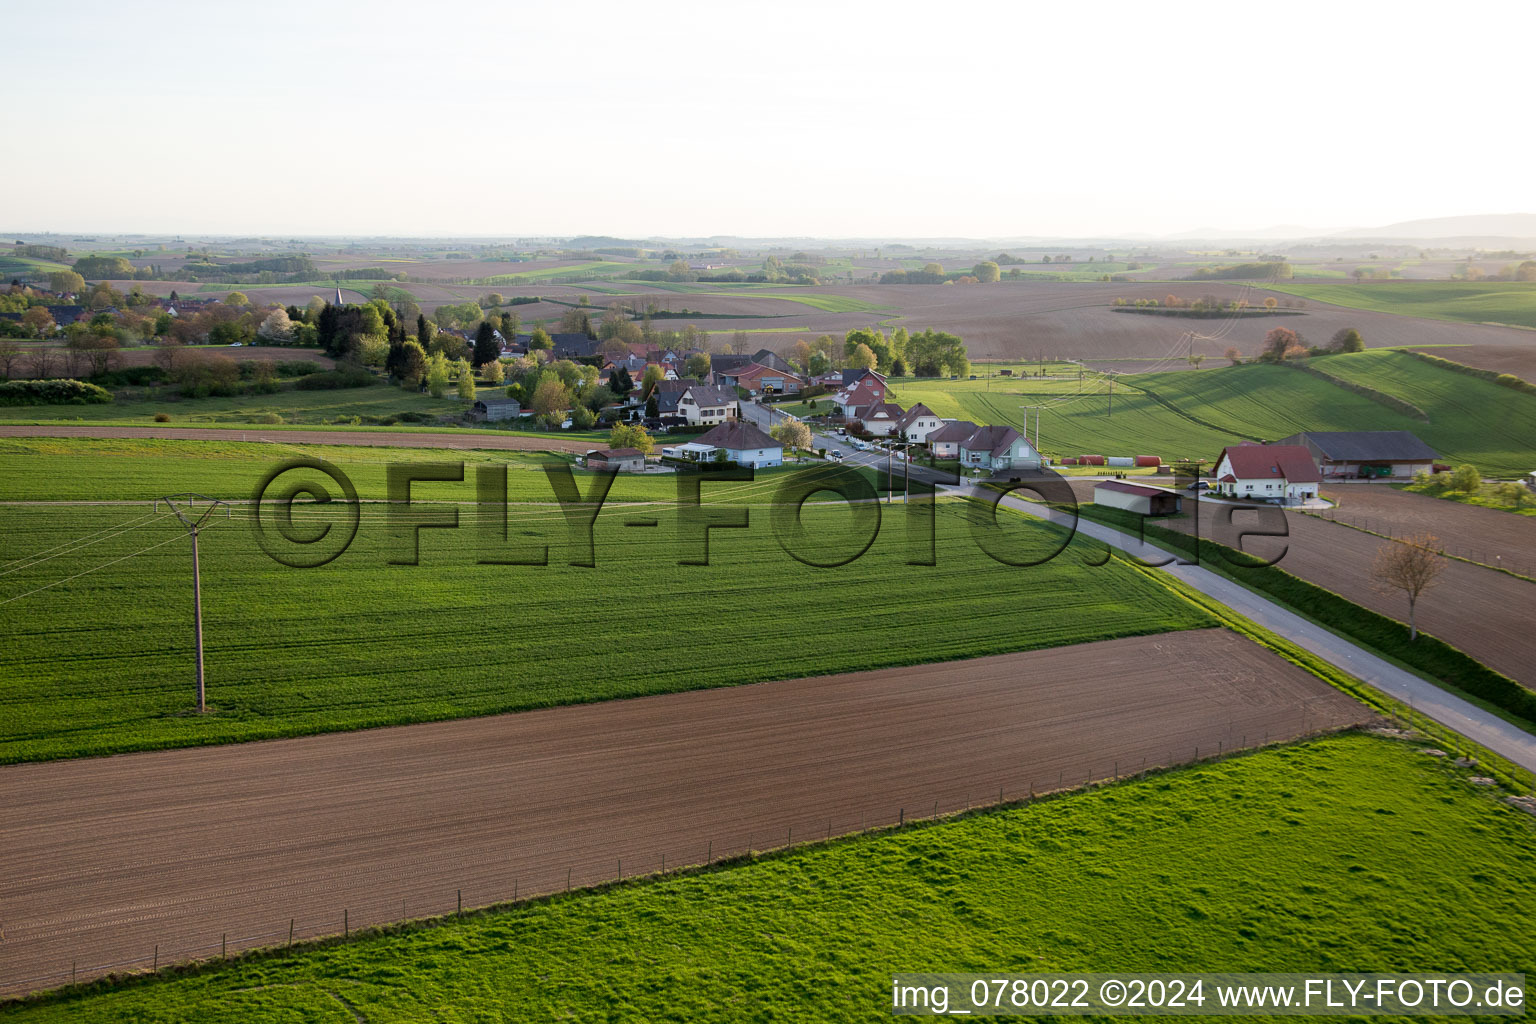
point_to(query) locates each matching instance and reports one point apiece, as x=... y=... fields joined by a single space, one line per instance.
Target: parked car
x=835 y=455
x=1199 y=485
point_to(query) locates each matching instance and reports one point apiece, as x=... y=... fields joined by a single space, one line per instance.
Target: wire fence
x=1522 y=563
x=768 y=833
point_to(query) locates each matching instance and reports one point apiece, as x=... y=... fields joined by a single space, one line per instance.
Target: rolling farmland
x=361 y=642
x=423 y=814
x=1365 y=851
x=1475 y=302
x=1198 y=412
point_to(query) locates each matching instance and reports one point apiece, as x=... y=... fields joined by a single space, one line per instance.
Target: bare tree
x=10 y=353
x=43 y=361
x=1411 y=565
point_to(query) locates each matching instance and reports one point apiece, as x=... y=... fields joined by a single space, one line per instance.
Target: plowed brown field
x=106 y=858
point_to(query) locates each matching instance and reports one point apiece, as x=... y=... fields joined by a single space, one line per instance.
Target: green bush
x=341 y=377
x=135 y=376
x=298 y=368
x=51 y=392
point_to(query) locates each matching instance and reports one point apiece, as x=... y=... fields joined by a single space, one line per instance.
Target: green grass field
x=293 y=405
x=99 y=661
x=1504 y=302
x=1346 y=854
x=1195 y=413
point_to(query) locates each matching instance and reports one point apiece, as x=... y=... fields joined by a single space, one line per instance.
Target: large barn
x=1365 y=454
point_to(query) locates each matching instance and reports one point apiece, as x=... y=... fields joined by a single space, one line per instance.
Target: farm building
x=742 y=443
x=490 y=410
x=1149 y=501
x=998 y=447
x=758 y=379
x=625 y=460
x=1365 y=453
x=1283 y=473
x=945 y=442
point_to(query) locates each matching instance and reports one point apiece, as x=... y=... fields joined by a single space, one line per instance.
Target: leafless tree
x=1411 y=565
x=43 y=362
x=10 y=354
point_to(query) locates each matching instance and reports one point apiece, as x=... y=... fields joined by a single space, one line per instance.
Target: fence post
x=461 y=902
x=290 y=931
x=73 y=965
x=709 y=857
x=567 y=879
x=621 y=869
x=157 y=958
x=346 y=924
x=224 y=946
x=902 y=819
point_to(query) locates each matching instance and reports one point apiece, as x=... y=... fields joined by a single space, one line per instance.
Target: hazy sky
x=777 y=118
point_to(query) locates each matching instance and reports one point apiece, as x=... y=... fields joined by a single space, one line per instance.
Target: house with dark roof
x=998 y=447
x=742 y=442
x=917 y=423
x=1281 y=473
x=1365 y=454
x=705 y=403
x=880 y=418
x=945 y=442
x=668 y=394
x=728 y=361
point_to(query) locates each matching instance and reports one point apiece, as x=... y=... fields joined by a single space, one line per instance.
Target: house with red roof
x=1281 y=473
x=859 y=389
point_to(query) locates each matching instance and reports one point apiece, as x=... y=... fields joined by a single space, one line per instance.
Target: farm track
x=108 y=858
x=366 y=439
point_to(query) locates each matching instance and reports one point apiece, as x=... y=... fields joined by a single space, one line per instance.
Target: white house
x=880 y=418
x=918 y=422
x=998 y=448
x=945 y=442
x=704 y=403
x=742 y=443
x=1282 y=473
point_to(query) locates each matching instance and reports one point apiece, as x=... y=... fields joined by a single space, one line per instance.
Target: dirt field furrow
x=106 y=859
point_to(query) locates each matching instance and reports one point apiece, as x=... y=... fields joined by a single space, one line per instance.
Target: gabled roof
x=852 y=375
x=737 y=435
x=1289 y=462
x=880 y=410
x=912 y=414
x=708 y=394
x=680 y=385
x=771 y=359
x=994 y=439
x=953 y=432
x=1125 y=488
x=616 y=453
x=1365 y=445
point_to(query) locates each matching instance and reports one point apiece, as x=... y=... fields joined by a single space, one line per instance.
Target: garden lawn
x=1351 y=854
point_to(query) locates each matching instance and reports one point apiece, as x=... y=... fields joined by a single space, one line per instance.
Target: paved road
x=1471 y=721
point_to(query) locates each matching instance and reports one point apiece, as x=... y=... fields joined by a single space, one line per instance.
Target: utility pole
x=1111 y=394
x=192 y=516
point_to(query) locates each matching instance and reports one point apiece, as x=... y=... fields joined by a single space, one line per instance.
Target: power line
x=77 y=575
